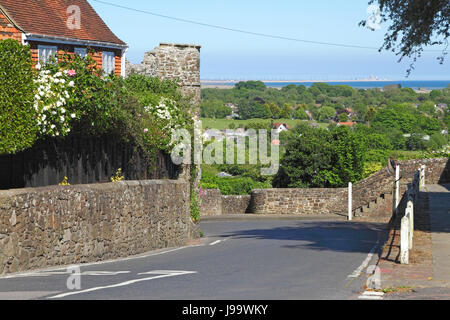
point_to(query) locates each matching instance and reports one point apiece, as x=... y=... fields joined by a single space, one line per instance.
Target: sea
x=413 y=84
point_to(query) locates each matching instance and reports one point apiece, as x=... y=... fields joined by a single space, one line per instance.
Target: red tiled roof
x=350 y=124
x=49 y=18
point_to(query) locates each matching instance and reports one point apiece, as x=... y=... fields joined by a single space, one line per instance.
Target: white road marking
x=168 y=273
x=55 y=271
x=365 y=263
x=217 y=242
x=371 y=295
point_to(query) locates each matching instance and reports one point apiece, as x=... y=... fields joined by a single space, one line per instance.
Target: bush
x=18 y=127
x=232 y=185
x=317 y=158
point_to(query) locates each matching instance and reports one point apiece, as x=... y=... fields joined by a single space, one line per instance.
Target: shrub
x=232 y=185
x=53 y=117
x=18 y=129
x=317 y=158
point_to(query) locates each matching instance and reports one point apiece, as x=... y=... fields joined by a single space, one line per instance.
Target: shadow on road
x=319 y=235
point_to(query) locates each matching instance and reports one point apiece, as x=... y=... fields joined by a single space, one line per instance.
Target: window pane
x=108 y=61
x=45 y=53
x=82 y=52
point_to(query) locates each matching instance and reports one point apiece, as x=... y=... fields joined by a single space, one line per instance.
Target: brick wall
x=97 y=54
x=51 y=226
x=7 y=30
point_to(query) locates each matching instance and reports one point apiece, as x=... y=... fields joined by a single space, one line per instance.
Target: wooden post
x=350 y=200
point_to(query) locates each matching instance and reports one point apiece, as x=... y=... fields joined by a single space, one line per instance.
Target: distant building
x=280 y=127
x=233 y=107
x=348 y=124
x=441 y=106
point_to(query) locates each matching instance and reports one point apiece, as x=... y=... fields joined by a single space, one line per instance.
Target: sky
x=227 y=55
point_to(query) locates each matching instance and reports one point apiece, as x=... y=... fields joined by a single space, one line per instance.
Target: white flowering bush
x=168 y=118
x=50 y=102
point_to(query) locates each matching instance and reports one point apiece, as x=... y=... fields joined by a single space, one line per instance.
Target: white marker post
x=350 y=201
x=404 y=240
x=422 y=177
x=397 y=188
x=410 y=213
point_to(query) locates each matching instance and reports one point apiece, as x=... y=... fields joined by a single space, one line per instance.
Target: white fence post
x=404 y=240
x=397 y=189
x=350 y=201
x=410 y=214
x=422 y=177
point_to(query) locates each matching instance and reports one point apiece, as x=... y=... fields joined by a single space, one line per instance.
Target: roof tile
x=49 y=17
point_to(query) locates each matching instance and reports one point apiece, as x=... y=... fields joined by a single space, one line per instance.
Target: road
x=237 y=260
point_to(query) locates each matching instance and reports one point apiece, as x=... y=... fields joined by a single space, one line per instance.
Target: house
x=52 y=27
x=310 y=115
x=348 y=124
x=280 y=127
x=441 y=106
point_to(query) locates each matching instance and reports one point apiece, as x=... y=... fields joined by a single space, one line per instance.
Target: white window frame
x=82 y=52
x=108 y=62
x=45 y=52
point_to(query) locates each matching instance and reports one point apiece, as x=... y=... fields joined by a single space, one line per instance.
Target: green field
x=221 y=124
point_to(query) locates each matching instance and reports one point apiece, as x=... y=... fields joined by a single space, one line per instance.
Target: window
x=45 y=53
x=82 y=52
x=108 y=62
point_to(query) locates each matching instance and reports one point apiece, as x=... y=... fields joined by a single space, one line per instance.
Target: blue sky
x=230 y=55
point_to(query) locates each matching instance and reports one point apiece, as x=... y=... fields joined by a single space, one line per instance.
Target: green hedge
x=18 y=128
x=233 y=185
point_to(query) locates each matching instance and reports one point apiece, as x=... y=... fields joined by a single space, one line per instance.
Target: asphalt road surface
x=237 y=260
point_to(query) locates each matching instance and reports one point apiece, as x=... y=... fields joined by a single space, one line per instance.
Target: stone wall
x=52 y=226
x=211 y=203
x=299 y=201
x=174 y=62
x=235 y=204
x=381 y=184
x=372 y=196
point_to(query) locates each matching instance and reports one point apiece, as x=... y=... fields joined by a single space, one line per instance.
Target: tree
x=326 y=113
x=416 y=142
x=214 y=109
x=251 y=85
x=343 y=117
x=301 y=114
x=286 y=111
x=18 y=125
x=321 y=158
x=414 y=24
x=370 y=113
